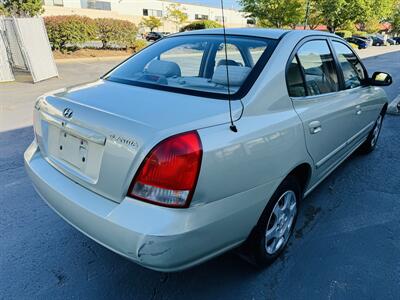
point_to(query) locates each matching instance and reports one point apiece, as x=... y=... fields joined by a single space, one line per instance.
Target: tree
x=373 y=12
x=151 y=22
x=176 y=14
x=395 y=18
x=23 y=8
x=339 y=12
x=3 y=11
x=313 y=18
x=276 y=13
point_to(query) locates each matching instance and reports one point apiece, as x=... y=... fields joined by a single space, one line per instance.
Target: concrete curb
x=376 y=51
x=394 y=106
x=90 y=59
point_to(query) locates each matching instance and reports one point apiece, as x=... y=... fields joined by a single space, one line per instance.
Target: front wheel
x=370 y=144
x=276 y=224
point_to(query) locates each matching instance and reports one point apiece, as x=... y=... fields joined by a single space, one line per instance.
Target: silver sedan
x=197 y=145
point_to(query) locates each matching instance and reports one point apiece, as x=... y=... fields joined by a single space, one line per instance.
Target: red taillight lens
x=169 y=173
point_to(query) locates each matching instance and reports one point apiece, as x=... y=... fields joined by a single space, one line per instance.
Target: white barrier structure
x=27 y=47
x=5 y=66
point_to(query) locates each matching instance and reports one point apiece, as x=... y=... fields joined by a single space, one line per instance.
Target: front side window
x=353 y=72
x=196 y=63
x=317 y=64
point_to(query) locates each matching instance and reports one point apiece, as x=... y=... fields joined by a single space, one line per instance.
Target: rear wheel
x=370 y=144
x=276 y=224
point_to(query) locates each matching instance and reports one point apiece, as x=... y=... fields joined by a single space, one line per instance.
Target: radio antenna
x=232 y=126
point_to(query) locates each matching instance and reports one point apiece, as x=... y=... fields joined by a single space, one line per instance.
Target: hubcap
x=280 y=222
x=376 y=131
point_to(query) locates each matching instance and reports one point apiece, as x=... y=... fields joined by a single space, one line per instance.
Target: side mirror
x=380 y=79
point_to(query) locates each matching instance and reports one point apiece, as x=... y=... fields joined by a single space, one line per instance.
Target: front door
x=328 y=116
x=356 y=88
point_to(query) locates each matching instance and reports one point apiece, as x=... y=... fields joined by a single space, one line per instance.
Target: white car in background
x=144 y=161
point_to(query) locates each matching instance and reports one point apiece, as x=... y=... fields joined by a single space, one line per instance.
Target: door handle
x=358 y=110
x=315 y=127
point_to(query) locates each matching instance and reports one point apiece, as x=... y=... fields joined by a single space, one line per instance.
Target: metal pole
x=307 y=13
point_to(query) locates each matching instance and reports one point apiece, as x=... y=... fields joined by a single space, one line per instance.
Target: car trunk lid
x=98 y=134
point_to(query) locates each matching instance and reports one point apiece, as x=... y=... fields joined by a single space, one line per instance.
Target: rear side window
x=295 y=80
x=353 y=72
x=234 y=56
x=317 y=64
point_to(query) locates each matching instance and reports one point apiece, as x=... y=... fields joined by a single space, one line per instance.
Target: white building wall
x=72 y=3
x=135 y=8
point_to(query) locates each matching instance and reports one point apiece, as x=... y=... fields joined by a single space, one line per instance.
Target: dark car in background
x=154 y=36
x=377 y=41
x=368 y=39
x=362 y=44
x=397 y=39
x=391 y=41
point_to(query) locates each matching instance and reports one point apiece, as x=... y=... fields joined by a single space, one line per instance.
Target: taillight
x=169 y=173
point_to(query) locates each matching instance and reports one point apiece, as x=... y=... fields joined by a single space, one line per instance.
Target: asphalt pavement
x=346 y=244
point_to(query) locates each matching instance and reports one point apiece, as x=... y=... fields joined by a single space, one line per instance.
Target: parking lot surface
x=346 y=244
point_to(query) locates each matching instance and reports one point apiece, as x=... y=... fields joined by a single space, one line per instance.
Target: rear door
x=328 y=116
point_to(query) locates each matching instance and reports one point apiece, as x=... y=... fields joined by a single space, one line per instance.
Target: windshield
x=196 y=64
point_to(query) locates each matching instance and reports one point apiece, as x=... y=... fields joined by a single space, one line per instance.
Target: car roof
x=258 y=32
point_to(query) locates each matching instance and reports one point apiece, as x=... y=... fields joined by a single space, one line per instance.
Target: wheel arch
x=384 y=108
x=302 y=173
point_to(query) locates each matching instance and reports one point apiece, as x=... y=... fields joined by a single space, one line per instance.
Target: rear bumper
x=156 y=237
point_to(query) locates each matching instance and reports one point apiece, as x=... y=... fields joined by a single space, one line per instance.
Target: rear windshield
x=196 y=64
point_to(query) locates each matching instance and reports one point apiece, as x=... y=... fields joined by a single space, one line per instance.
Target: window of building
x=201 y=17
x=251 y=21
x=318 y=66
x=100 y=5
x=152 y=13
x=103 y=5
x=220 y=19
x=58 y=2
x=353 y=72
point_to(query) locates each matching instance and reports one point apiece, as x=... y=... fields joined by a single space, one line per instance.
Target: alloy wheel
x=376 y=131
x=280 y=222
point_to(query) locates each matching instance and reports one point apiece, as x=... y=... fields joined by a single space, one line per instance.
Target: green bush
x=344 y=33
x=138 y=45
x=360 y=33
x=63 y=30
x=120 y=32
x=205 y=24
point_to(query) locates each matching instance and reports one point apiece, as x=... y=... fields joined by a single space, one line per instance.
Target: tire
x=370 y=144
x=262 y=251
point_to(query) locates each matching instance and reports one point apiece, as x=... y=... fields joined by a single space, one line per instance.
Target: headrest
x=237 y=75
x=229 y=62
x=164 y=67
